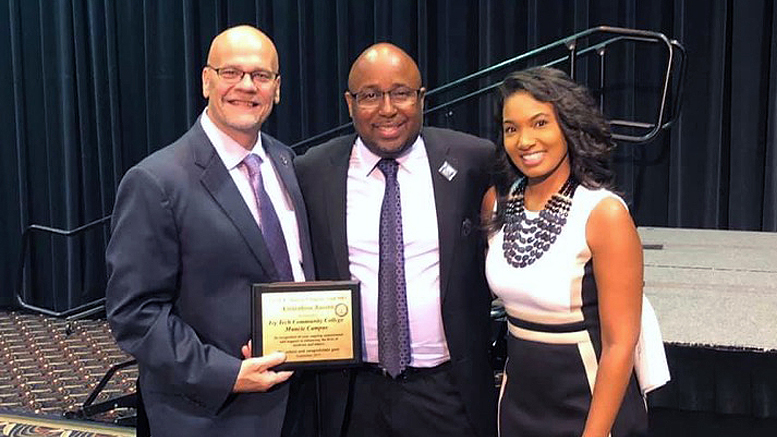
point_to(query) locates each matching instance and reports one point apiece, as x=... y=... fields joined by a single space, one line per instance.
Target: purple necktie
x=393 y=329
x=268 y=220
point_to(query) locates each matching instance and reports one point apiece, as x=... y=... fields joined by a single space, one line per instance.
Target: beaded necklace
x=525 y=239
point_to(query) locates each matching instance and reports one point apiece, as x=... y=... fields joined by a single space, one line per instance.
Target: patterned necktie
x=268 y=219
x=393 y=329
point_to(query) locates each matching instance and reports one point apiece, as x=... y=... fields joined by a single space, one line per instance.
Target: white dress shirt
x=365 y=188
x=232 y=154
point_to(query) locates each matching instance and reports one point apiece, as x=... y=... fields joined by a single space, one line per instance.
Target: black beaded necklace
x=526 y=240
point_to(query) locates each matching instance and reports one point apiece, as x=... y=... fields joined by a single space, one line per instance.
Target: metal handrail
x=89 y=409
x=78 y=312
x=598 y=49
x=571 y=43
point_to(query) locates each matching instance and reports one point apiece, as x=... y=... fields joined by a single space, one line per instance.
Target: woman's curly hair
x=587 y=133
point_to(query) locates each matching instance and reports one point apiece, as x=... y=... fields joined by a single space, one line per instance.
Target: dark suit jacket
x=183 y=254
x=322 y=174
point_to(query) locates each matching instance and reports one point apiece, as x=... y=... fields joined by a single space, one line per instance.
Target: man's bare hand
x=255 y=374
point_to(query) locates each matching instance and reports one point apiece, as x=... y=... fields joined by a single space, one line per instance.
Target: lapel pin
x=447 y=171
x=284 y=160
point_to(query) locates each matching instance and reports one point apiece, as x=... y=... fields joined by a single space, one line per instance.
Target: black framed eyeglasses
x=233 y=75
x=398 y=96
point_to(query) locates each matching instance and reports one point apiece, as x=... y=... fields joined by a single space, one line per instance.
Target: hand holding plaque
x=317 y=323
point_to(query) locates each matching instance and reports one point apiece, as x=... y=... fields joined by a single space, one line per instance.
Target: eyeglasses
x=369 y=99
x=232 y=75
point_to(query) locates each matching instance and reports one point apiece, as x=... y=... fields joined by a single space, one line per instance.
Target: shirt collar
x=368 y=161
x=229 y=150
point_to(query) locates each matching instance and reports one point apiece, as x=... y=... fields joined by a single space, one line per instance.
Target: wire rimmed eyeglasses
x=398 y=96
x=234 y=75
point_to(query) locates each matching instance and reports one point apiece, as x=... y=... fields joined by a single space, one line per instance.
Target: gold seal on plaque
x=341 y=310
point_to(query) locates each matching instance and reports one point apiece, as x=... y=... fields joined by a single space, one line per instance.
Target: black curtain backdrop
x=95 y=86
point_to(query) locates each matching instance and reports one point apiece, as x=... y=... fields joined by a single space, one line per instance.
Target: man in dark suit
x=194 y=225
x=396 y=207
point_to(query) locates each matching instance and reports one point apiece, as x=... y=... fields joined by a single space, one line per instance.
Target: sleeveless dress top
x=554 y=340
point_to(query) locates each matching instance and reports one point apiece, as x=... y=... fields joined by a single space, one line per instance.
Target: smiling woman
x=533 y=140
x=566 y=260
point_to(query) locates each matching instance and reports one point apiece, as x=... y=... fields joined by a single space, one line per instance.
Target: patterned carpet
x=49 y=367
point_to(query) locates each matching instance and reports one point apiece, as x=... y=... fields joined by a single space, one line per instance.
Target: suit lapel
x=445 y=195
x=335 y=205
x=217 y=181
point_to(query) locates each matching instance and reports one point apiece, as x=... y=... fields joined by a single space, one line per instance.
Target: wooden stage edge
x=34 y=425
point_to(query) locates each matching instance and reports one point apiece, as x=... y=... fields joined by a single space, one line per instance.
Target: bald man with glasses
x=194 y=225
x=396 y=207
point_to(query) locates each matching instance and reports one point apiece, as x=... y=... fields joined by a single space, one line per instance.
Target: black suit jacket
x=322 y=174
x=183 y=254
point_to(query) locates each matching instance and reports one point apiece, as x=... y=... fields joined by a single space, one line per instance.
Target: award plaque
x=317 y=323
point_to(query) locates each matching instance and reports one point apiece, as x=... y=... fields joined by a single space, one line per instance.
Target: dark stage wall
x=91 y=87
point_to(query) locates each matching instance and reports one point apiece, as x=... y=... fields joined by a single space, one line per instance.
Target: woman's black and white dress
x=554 y=340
